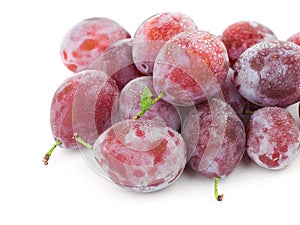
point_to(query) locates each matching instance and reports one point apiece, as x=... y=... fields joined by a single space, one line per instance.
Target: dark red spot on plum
x=265 y=130
x=275 y=156
x=274 y=88
x=158 y=152
x=88 y=45
x=65 y=55
x=139 y=132
x=171 y=133
x=270 y=163
x=257 y=63
x=156 y=182
x=72 y=67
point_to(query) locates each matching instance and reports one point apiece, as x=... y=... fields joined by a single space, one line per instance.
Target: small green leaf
x=146 y=93
x=146 y=99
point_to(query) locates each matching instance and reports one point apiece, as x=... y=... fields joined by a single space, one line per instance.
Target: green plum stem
x=217 y=196
x=140 y=113
x=49 y=153
x=160 y=96
x=81 y=141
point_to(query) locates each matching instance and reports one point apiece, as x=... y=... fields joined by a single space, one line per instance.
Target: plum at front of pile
x=273 y=138
x=141 y=155
x=86 y=41
x=215 y=137
x=268 y=73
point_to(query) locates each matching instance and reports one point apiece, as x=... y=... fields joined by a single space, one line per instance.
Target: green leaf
x=146 y=99
x=146 y=93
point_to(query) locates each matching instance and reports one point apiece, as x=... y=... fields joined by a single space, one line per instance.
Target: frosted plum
x=82 y=104
x=86 y=41
x=161 y=111
x=268 y=74
x=215 y=138
x=295 y=38
x=153 y=33
x=190 y=68
x=241 y=35
x=117 y=62
x=273 y=138
x=141 y=155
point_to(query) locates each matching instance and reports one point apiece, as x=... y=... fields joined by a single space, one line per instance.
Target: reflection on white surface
x=88 y=157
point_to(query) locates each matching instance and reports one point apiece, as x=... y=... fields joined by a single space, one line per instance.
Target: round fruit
x=241 y=35
x=268 y=74
x=215 y=137
x=153 y=33
x=190 y=68
x=141 y=155
x=273 y=138
x=87 y=40
x=82 y=104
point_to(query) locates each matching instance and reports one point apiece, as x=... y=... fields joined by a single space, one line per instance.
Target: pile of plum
x=173 y=96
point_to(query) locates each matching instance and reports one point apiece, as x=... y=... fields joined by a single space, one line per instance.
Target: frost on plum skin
x=86 y=41
x=161 y=111
x=82 y=104
x=273 y=138
x=241 y=35
x=231 y=94
x=190 y=68
x=215 y=138
x=295 y=38
x=153 y=33
x=117 y=62
x=268 y=74
x=141 y=155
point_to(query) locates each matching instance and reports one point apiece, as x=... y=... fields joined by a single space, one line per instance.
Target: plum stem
x=248 y=112
x=81 y=141
x=217 y=196
x=142 y=112
x=49 y=153
x=160 y=96
x=138 y=115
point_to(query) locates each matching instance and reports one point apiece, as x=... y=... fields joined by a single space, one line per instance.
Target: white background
x=67 y=191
